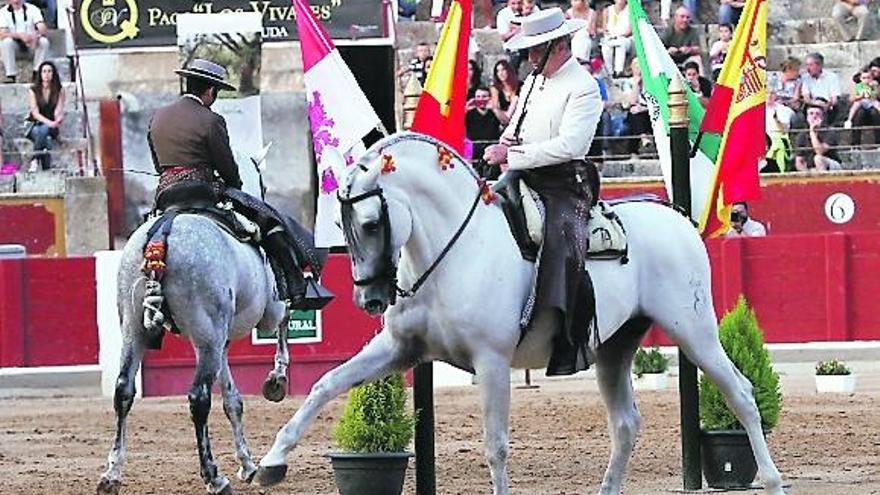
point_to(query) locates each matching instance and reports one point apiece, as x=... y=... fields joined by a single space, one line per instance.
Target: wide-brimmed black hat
x=206 y=71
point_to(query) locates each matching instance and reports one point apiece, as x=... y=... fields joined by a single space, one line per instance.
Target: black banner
x=147 y=23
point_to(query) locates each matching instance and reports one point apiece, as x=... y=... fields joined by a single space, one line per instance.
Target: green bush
x=743 y=341
x=833 y=367
x=652 y=361
x=375 y=418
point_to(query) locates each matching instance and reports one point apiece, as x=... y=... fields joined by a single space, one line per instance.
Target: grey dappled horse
x=401 y=208
x=217 y=289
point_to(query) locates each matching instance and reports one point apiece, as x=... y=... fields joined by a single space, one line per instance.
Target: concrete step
x=26 y=67
x=809 y=31
x=15 y=98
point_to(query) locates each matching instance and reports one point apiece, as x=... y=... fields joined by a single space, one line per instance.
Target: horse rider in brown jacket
x=190 y=149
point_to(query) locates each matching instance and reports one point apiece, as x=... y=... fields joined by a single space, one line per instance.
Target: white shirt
x=783 y=113
x=563 y=112
x=505 y=16
x=16 y=22
x=751 y=228
x=825 y=86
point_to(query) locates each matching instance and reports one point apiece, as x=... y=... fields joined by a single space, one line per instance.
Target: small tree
x=375 y=418
x=652 y=361
x=743 y=341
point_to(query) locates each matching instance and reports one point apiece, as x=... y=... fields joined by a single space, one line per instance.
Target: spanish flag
x=736 y=112
x=440 y=112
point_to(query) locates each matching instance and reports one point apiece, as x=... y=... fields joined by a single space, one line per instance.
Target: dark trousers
x=865 y=117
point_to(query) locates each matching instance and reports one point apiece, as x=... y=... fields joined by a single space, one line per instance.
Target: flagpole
x=692 y=475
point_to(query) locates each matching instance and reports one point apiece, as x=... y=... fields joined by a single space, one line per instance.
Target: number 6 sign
x=840 y=208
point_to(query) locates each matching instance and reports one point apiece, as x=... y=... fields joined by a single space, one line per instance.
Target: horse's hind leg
x=613 y=366
x=233 y=406
x=697 y=336
x=275 y=386
x=132 y=355
x=210 y=359
x=381 y=356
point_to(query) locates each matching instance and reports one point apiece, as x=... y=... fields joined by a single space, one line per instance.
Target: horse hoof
x=227 y=490
x=271 y=475
x=247 y=475
x=275 y=388
x=108 y=487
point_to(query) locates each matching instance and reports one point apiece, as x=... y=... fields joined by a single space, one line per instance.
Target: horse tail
x=154 y=299
x=154 y=268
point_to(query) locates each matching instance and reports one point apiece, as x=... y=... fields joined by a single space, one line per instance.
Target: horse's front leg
x=275 y=386
x=493 y=376
x=378 y=358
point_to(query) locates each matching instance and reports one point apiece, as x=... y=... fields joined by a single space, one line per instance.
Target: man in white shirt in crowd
x=820 y=88
x=22 y=31
x=743 y=226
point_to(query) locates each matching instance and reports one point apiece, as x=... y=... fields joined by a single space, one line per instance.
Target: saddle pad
x=607 y=235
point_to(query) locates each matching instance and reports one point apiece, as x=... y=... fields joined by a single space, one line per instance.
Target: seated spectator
x=483 y=127
x=638 y=121
x=844 y=10
x=46 y=101
x=505 y=89
x=815 y=147
x=681 y=39
x=529 y=6
x=718 y=51
x=22 y=31
x=865 y=109
x=777 y=124
x=820 y=87
x=418 y=65
x=582 y=41
x=507 y=27
x=698 y=83
x=617 y=43
x=874 y=65
x=475 y=78
x=786 y=86
x=743 y=226
x=729 y=11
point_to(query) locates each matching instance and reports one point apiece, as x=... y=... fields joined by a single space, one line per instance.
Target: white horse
x=402 y=208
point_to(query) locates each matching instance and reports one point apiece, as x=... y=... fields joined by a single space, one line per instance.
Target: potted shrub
x=727 y=456
x=373 y=434
x=650 y=368
x=833 y=376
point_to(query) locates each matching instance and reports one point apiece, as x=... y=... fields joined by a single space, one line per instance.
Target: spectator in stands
x=820 y=87
x=718 y=51
x=582 y=41
x=483 y=127
x=741 y=225
x=865 y=109
x=698 y=83
x=418 y=66
x=22 y=31
x=475 y=78
x=638 y=122
x=600 y=145
x=786 y=86
x=46 y=101
x=505 y=89
x=507 y=27
x=529 y=6
x=845 y=10
x=617 y=43
x=681 y=39
x=815 y=147
x=777 y=123
x=874 y=65
x=729 y=11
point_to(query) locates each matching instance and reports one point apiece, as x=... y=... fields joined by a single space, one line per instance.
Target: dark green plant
x=832 y=367
x=651 y=361
x=375 y=419
x=743 y=341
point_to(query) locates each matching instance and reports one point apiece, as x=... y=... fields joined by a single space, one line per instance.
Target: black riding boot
x=288 y=276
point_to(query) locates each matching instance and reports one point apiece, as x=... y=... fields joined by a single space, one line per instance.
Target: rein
x=389 y=271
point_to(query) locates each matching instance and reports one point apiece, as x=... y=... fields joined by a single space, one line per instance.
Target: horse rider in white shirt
x=546 y=141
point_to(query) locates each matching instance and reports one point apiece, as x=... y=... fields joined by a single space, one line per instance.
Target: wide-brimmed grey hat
x=541 y=27
x=207 y=71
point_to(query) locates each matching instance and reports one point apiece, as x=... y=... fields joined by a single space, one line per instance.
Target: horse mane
x=370 y=159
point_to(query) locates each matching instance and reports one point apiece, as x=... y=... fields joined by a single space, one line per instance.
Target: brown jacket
x=187 y=133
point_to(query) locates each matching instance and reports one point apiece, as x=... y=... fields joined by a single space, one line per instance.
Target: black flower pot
x=728 y=461
x=369 y=474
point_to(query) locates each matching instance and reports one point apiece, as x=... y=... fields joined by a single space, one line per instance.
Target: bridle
x=387 y=271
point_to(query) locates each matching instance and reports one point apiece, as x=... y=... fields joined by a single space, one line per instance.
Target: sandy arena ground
x=825 y=445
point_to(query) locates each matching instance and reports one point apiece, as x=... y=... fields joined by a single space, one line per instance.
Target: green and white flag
x=657 y=70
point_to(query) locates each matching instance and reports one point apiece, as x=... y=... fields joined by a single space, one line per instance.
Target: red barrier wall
x=793 y=204
x=345 y=330
x=48 y=312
